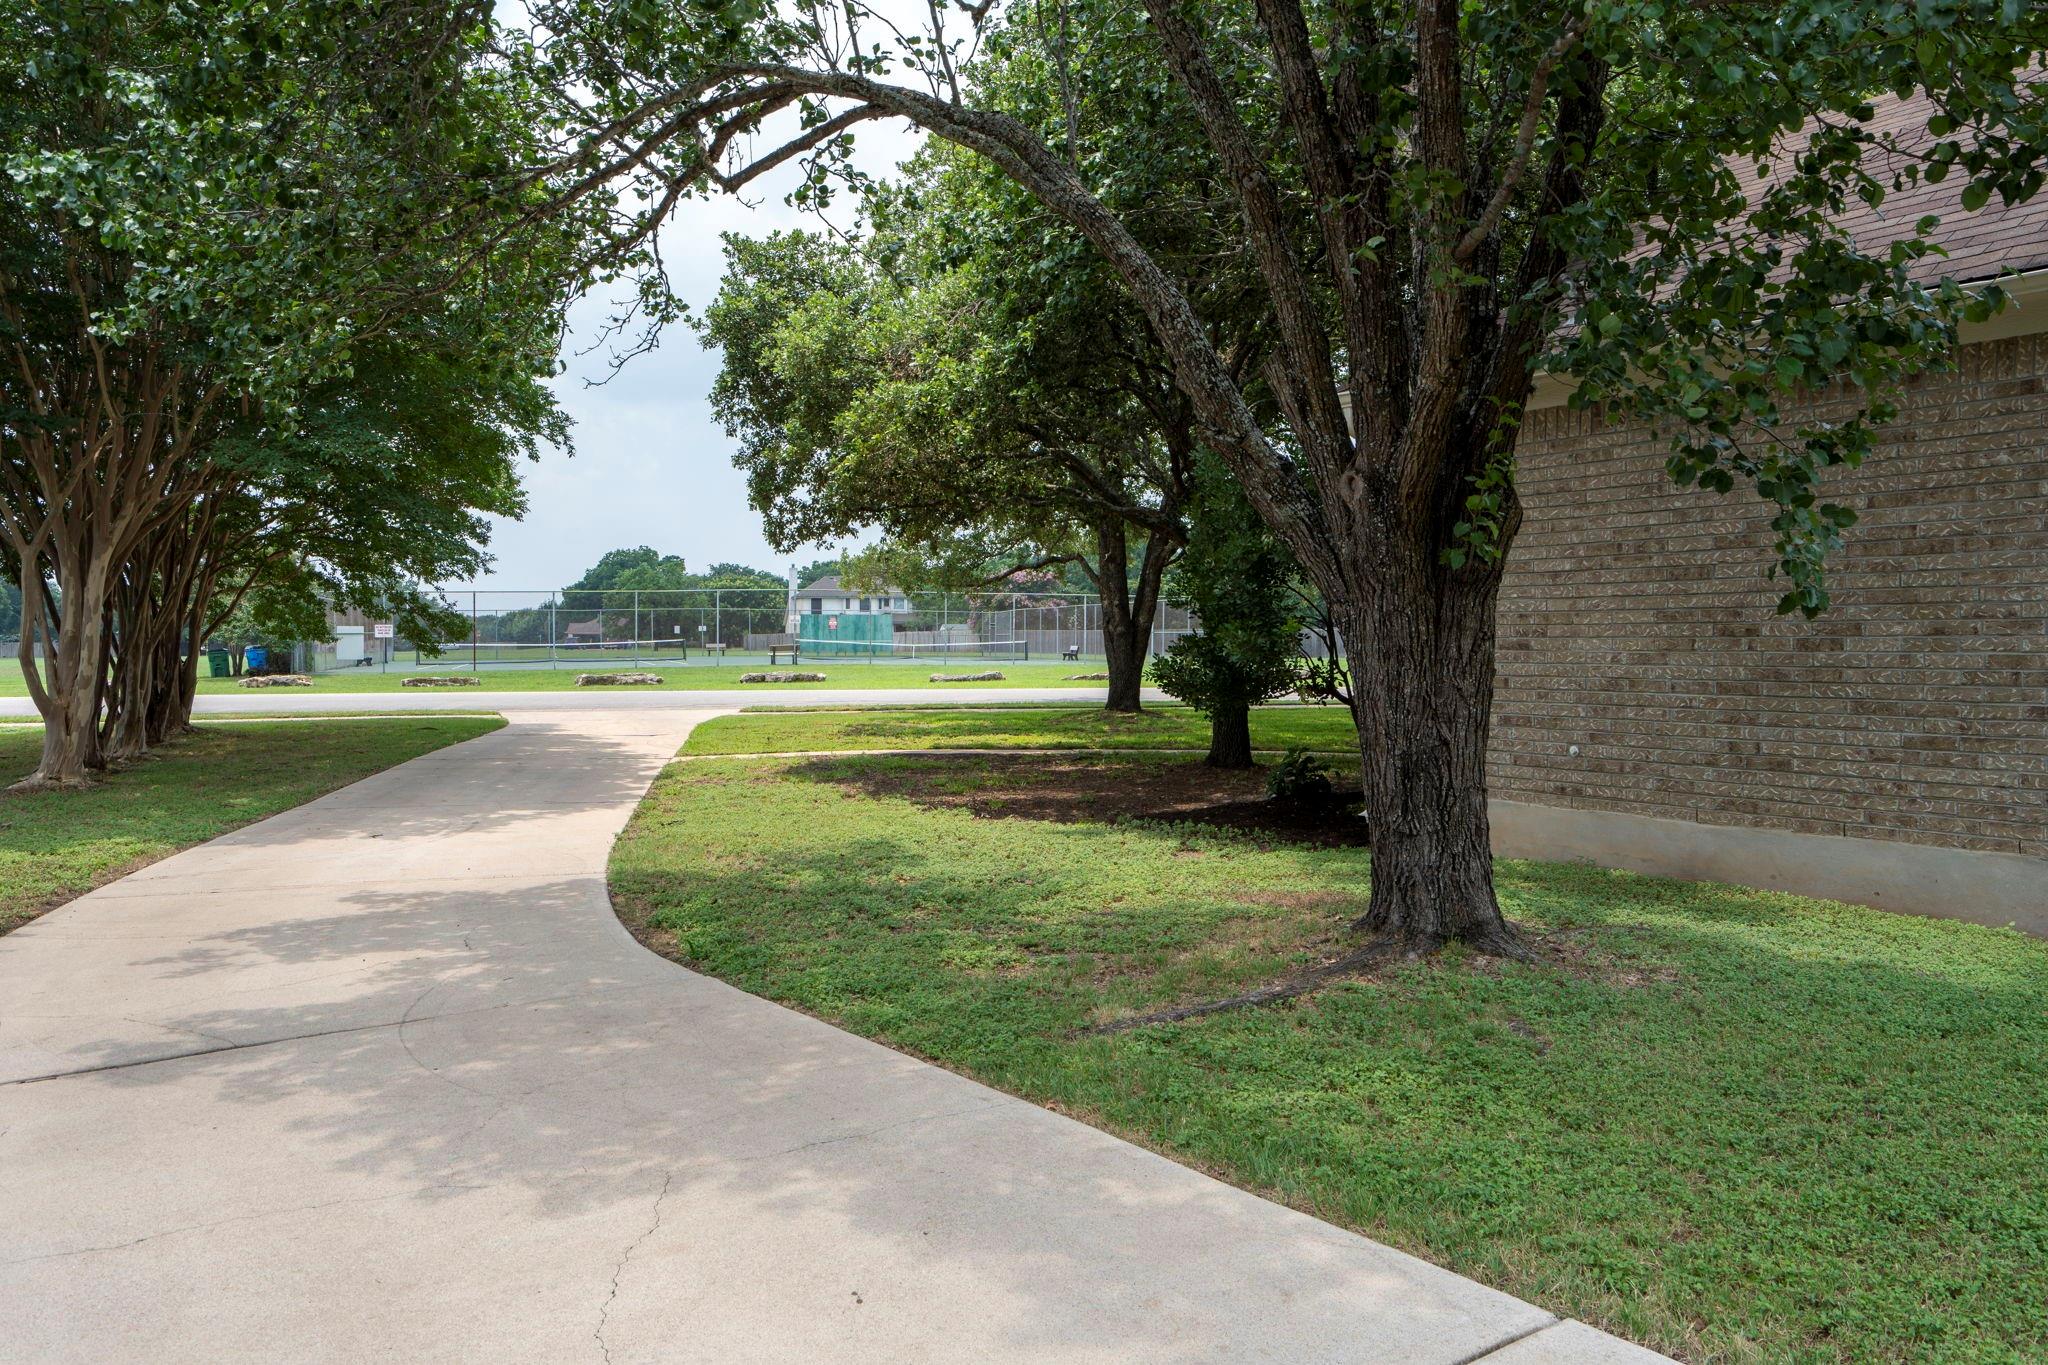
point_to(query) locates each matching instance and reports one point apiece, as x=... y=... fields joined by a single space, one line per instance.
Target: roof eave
x=2026 y=315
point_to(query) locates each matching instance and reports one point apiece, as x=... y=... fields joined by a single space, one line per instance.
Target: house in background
x=827 y=594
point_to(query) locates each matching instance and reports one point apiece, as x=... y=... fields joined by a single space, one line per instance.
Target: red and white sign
x=381 y=631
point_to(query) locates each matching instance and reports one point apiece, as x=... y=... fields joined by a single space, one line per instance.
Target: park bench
x=1071 y=652
x=793 y=650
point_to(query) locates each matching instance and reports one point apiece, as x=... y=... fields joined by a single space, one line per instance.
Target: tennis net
x=576 y=651
x=1010 y=650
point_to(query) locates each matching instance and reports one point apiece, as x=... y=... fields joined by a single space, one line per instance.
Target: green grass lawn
x=853 y=673
x=58 y=845
x=758 y=732
x=1732 y=1125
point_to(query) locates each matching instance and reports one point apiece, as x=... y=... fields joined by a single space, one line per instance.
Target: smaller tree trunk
x=1126 y=651
x=1230 y=737
x=126 y=736
x=1127 y=616
x=131 y=656
x=1123 y=642
x=69 y=692
x=170 y=708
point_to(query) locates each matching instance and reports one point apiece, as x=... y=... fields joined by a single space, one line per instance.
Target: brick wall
x=1637 y=624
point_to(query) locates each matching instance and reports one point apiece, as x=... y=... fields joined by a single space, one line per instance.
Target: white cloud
x=652 y=466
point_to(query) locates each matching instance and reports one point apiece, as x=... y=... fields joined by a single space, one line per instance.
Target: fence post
x=636 y=625
x=718 y=618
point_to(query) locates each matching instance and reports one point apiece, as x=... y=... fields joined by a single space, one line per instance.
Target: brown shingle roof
x=1980 y=245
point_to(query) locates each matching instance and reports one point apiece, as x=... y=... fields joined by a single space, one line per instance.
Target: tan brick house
x=1652 y=711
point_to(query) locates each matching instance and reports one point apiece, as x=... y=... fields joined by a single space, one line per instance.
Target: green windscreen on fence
x=846 y=632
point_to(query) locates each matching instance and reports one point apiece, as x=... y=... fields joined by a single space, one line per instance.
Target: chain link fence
x=586 y=628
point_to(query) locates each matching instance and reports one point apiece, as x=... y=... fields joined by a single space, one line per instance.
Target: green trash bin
x=217 y=663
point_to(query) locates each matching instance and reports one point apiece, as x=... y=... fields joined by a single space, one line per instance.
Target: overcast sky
x=652 y=466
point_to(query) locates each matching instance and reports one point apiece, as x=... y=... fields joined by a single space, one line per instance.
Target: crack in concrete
x=295 y=1038
x=175 y=1028
x=433 y=1071
x=203 y=1227
x=1485 y=1353
x=910 y=1122
x=604 y=1312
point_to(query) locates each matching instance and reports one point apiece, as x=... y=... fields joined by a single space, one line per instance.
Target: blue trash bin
x=255 y=657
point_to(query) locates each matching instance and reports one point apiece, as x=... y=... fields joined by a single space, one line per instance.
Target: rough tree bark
x=1421 y=646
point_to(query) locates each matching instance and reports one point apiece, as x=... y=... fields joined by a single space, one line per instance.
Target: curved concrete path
x=384 y=1078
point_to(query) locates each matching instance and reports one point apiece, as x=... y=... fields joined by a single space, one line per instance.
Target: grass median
x=57 y=845
x=756 y=732
x=1730 y=1124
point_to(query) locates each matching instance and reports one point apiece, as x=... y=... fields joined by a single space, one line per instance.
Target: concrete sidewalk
x=383 y=1077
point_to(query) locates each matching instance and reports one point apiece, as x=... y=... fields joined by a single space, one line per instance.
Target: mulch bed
x=1105 y=791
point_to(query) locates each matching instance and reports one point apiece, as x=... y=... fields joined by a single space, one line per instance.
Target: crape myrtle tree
x=206 y=214
x=1442 y=197
x=377 y=481
x=1240 y=580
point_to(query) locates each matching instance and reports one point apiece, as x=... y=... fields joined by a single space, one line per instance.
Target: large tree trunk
x=1230 y=737
x=1421 y=651
x=70 y=744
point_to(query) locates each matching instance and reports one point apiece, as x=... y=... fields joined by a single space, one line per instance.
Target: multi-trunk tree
x=1441 y=199
x=208 y=219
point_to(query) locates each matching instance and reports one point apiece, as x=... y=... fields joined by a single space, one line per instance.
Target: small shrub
x=1299 y=776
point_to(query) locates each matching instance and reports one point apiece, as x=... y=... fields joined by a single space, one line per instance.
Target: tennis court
x=607 y=629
